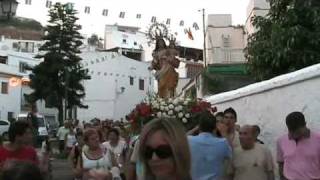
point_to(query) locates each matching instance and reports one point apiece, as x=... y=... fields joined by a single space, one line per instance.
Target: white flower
x=184 y=120
x=164 y=114
x=187 y=115
x=180 y=108
x=169 y=100
x=159 y=114
x=171 y=106
x=180 y=115
x=157 y=106
x=161 y=108
x=170 y=112
x=163 y=103
x=177 y=109
x=185 y=103
x=166 y=108
x=175 y=102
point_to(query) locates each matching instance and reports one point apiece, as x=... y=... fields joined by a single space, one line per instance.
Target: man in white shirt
x=61 y=134
x=251 y=161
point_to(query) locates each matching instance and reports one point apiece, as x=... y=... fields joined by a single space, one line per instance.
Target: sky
x=176 y=10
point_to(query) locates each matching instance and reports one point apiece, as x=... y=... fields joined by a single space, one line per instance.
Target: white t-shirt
x=253 y=164
x=71 y=140
x=62 y=132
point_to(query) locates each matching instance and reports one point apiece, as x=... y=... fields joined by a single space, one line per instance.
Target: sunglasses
x=162 y=151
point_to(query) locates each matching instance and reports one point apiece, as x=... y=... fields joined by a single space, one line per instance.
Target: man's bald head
x=247 y=136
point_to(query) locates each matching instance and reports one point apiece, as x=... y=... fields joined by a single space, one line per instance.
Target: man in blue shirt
x=208 y=152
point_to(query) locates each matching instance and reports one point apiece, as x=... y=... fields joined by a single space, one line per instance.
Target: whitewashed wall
x=268 y=103
x=109 y=72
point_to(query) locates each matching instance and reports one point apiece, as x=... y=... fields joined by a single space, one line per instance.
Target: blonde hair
x=177 y=141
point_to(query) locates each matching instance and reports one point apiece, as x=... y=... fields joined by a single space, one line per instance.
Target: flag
x=122 y=14
x=168 y=21
x=153 y=19
x=189 y=33
x=195 y=26
x=181 y=23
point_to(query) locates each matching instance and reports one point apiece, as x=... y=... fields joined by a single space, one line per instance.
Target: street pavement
x=61 y=170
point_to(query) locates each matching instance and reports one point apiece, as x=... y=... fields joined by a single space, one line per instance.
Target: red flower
x=203 y=106
x=144 y=109
x=196 y=109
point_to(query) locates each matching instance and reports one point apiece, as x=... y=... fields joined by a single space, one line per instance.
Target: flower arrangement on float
x=180 y=109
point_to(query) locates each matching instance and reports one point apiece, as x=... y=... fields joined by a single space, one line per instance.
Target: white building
x=225 y=42
x=15 y=56
x=117 y=84
x=255 y=8
x=130 y=41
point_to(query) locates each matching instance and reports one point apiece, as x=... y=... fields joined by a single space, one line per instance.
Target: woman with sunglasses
x=164 y=150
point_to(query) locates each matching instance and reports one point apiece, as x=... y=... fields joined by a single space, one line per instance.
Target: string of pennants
x=101 y=59
x=105 y=12
x=187 y=31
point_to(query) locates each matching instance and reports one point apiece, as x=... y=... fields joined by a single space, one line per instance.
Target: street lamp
x=9 y=7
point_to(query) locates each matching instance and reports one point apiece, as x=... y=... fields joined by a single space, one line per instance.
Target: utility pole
x=204 y=37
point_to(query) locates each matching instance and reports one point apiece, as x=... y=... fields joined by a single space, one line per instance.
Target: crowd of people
x=216 y=149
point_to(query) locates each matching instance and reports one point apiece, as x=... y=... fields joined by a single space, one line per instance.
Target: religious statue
x=164 y=62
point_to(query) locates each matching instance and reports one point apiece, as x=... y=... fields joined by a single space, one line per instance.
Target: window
x=22 y=67
x=168 y=21
x=226 y=40
x=138 y=16
x=122 y=14
x=4 y=88
x=28 y=2
x=97 y=60
x=131 y=80
x=10 y=115
x=26 y=47
x=87 y=10
x=135 y=43
x=153 y=19
x=3 y=59
x=4 y=123
x=48 y=4
x=105 y=12
x=124 y=41
x=141 y=84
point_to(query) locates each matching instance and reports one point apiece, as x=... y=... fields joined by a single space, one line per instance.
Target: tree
x=288 y=38
x=58 y=79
